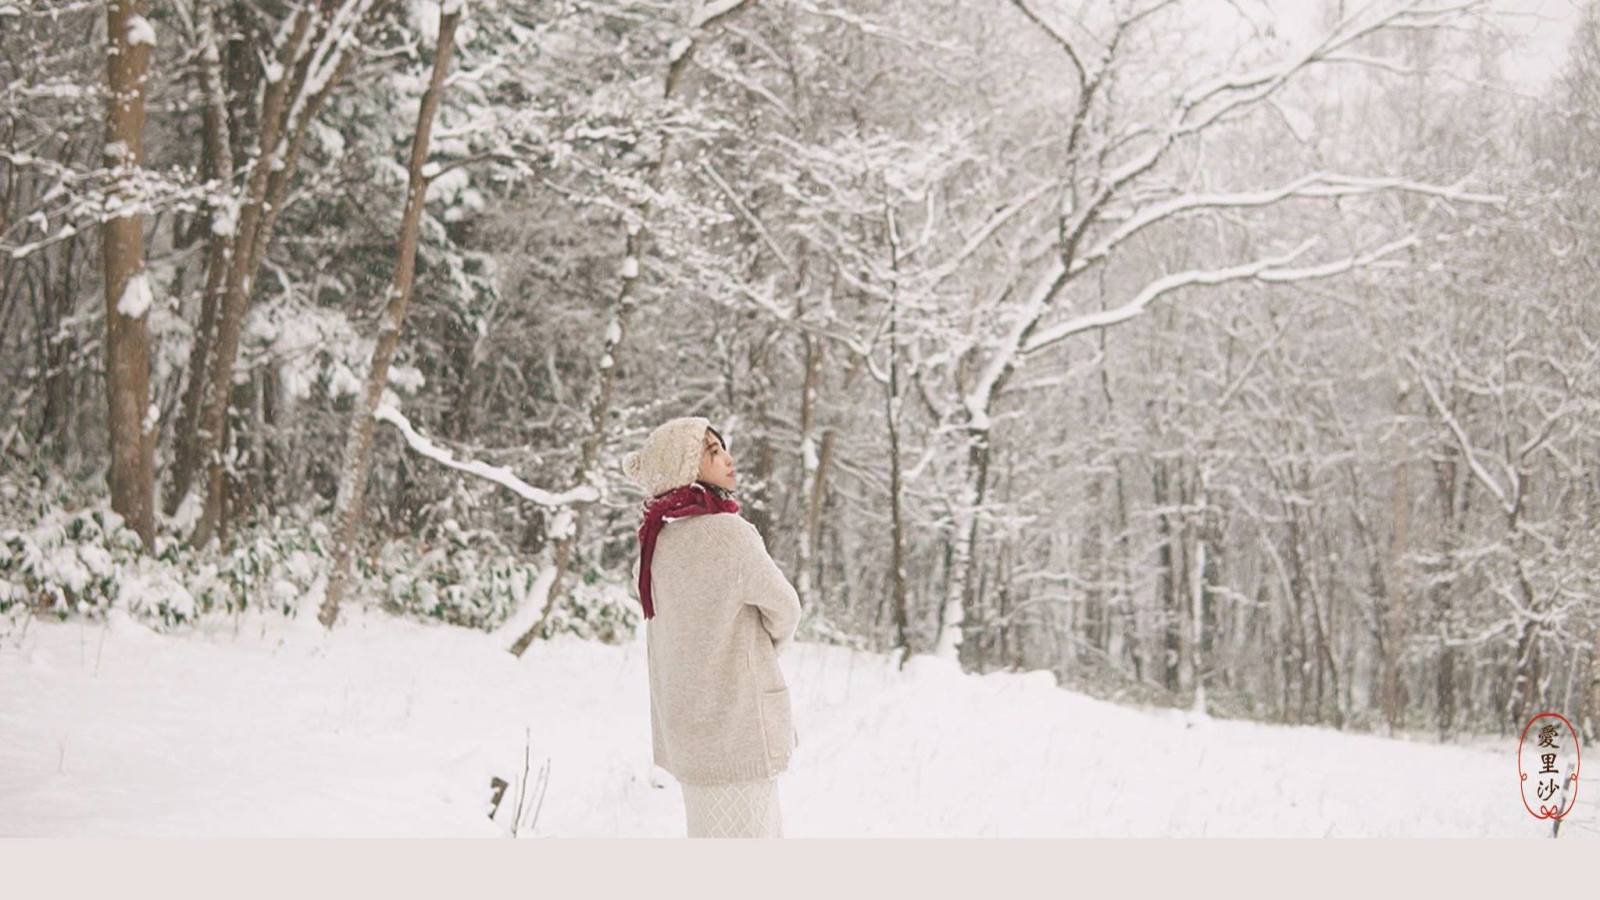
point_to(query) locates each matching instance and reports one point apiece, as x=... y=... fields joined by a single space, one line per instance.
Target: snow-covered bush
x=70 y=555
x=597 y=608
x=65 y=562
x=471 y=578
x=83 y=561
x=462 y=577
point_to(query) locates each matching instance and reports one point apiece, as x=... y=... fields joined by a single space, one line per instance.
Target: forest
x=1204 y=355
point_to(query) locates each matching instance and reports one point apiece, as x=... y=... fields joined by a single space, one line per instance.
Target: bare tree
x=1103 y=205
x=318 y=46
x=358 y=440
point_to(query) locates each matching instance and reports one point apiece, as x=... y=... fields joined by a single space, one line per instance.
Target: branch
x=715 y=11
x=1313 y=184
x=1268 y=269
x=1267 y=80
x=1465 y=444
x=936 y=275
x=432 y=171
x=1239 y=91
x=761 y=229
x=387 y=412
x=1059 y=38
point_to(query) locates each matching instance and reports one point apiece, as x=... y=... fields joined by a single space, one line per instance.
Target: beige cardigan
x=719 y=705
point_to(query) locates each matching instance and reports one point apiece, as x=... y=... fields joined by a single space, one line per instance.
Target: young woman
x=718 y=613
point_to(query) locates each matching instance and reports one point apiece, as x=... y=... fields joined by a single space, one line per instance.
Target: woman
x=718 y=612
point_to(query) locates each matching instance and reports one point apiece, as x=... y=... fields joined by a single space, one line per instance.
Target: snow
x=630 y=267
x=224 y=218
x=384 y=727
x=332 y=141
x=140 y=31
x=562 y=524
x=343 y=382
x=21 y=250
x=407 y=378
x=135 y=299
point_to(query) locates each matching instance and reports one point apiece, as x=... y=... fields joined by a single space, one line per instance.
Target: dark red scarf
x=692 y=499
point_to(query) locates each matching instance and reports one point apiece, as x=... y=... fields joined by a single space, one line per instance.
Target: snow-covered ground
x=389 y=727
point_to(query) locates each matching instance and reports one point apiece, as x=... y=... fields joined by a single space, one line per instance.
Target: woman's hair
x=716 y=489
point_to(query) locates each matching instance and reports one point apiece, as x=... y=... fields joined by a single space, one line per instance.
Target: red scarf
x=692 y=499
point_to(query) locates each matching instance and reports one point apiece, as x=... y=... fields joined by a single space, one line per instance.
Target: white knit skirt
x=743 y=809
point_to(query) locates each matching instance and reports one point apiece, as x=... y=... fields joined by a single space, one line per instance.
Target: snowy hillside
x=390 y=727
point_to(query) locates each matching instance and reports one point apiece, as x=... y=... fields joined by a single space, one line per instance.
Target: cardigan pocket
x=777 y=725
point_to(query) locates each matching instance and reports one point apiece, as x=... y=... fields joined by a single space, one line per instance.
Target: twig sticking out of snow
x=517 y=824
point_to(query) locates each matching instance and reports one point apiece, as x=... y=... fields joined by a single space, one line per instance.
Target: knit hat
x=670 y=457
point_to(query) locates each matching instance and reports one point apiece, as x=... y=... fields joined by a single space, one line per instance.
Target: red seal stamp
x=1551 y=758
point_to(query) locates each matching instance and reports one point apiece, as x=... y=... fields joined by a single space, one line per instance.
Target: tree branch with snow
x=390 y=413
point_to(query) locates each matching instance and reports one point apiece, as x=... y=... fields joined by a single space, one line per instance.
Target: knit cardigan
x=724 y=612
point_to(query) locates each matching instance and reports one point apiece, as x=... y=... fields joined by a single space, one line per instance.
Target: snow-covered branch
x=1237 y=91
x=1059 y=38
x=1465 y=443
x=980 y=237
x=1255 y=85
x=387 y=412
x=322 y=68
x=713 y=10
x=750 y=217
x=1268 y=269
x=1313 y=184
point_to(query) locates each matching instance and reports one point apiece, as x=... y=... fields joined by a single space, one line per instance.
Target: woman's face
x=716 y=464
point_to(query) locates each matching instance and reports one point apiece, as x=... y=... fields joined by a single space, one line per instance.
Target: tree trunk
x=61 y=347
x=358 y=442
x=1593 y=711
x=212 y=432
x=759 y=495
x=219 y=253
x=131 y=428
x=815 y=507
x=1198 y=655
x=1094 y=556
x=1166 y=583
x=812 y=354
x=959 y=622
x=897 y=565
x=1394 y=639
x=892 y=407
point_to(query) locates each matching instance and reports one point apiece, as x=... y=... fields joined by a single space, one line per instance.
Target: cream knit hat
x=670 y=457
